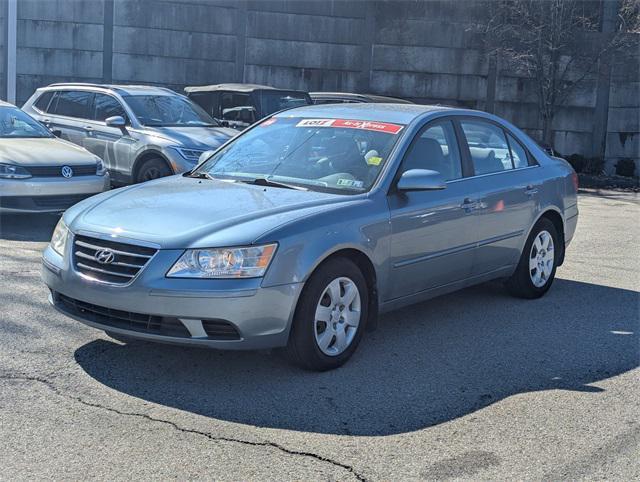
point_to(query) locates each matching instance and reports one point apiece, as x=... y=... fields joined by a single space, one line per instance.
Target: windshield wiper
x=202 y=175
x=262 y=181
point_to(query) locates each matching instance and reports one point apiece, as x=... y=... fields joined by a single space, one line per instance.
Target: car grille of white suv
x=109 y=261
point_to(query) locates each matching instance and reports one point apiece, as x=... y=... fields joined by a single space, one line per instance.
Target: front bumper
x=261 y=317
x=178 y=163
x=48 y=195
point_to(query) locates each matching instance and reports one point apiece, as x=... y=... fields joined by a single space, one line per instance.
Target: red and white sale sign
x=368 y=125
x=352 y=124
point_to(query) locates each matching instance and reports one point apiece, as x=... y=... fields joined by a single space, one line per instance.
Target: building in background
x=425 y=51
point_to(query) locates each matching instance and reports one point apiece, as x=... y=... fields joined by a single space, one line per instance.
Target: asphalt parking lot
x=473 y=385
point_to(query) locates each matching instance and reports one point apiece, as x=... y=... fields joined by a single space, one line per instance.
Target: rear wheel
x=537 y=266
x=153 y=169
x=330 y=317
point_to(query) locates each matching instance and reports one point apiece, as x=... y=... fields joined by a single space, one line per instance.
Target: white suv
x=140 y=132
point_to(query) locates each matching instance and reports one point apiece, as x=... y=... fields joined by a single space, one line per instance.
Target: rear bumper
x=42 y=195
x=570 y=224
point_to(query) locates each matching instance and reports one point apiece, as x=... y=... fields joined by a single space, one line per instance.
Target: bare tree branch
x=551 y=41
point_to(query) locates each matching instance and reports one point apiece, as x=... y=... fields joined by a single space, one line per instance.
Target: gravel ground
x=473 y=385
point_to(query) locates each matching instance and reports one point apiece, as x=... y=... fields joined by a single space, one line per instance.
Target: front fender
x=306 y=243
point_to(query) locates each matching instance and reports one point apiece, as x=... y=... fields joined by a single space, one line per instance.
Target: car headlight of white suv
x=191 y=155
x=240 y=262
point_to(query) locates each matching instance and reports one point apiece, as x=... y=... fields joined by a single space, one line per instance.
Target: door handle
x=530 y=190
x=469 y=205
x=46 y=121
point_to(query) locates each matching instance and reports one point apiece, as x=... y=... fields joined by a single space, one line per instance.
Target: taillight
x=574 y=179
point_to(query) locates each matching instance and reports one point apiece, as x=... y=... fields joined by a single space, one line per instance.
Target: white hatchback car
x=38 y=171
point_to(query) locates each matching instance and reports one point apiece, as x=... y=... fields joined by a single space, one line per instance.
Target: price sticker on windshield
x=352 y=124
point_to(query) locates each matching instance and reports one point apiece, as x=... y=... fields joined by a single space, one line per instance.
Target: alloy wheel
x=541 y=259
x=337 y=316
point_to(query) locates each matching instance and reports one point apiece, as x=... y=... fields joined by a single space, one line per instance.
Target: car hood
x=196 y=137
x=180 y=212
x=44 y=151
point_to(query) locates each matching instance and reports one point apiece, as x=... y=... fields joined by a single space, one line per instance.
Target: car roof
x=398 y=113
x=364 y=97
x=234 y=87
x=132 y=89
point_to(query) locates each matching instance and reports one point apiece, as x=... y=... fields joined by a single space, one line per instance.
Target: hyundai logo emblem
x=104 y=256
x=67 y=172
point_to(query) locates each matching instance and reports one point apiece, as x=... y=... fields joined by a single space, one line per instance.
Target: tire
x=535 y=274
x=153 y=169
x=320 y=345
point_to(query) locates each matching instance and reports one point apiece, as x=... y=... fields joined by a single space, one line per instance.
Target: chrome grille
x=119 y=262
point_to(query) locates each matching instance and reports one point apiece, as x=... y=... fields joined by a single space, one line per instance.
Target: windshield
x=14 y=123
x=168 y=111
x=332 y=155
x=276 y=101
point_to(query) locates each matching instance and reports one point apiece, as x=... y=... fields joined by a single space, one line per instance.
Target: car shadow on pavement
x=425 y=365
x=27 y=227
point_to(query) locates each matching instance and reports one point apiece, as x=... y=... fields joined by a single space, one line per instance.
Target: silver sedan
x=39 y=172
x=301 y=230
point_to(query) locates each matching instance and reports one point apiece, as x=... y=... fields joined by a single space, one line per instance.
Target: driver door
x=433 y=236
x=112 y=144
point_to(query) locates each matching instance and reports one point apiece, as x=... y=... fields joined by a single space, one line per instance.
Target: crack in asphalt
x=175 y=426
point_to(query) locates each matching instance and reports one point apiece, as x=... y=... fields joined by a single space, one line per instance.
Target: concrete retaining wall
x=424 y=51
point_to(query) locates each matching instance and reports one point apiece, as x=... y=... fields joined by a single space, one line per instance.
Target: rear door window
x=74 y=103
x=487 y=145
x=105 y=106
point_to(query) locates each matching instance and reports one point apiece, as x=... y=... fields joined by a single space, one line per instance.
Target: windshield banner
x=352 y=124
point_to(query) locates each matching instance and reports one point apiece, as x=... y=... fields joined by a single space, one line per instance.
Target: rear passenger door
x=505 y=184
x=68 y=113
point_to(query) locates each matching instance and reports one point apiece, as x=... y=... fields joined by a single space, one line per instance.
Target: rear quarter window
x=42 y=103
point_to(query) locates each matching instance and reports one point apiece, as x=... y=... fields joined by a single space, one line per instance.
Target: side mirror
x=115 y=121
x=421 y=180
x=204 y=156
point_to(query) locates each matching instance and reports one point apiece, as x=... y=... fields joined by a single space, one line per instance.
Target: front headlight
x=192 y=155
x=59 y=237
x=100 y=169
x=246 y=262
x=9 y=171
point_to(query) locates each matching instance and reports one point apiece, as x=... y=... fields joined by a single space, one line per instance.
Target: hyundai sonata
x=301 y=230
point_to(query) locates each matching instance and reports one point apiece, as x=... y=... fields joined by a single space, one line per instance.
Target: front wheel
x=537 y=266
x=153 y=169
x=330 y=317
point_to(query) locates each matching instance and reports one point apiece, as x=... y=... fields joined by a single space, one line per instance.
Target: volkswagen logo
x=67 y=172
x=104 y=256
